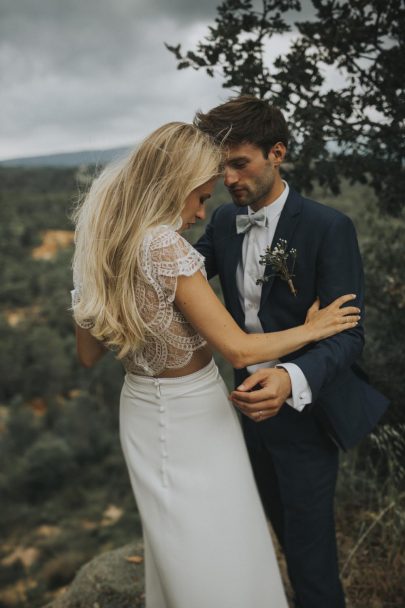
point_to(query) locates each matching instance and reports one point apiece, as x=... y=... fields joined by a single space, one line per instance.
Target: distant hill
x=68 y=159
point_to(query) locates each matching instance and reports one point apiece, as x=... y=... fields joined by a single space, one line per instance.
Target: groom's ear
x=278 y=152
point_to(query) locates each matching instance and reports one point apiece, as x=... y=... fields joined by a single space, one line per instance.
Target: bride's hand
x=333 y=319
x=312 y=310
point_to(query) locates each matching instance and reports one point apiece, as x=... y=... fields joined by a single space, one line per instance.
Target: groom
x=298 y=410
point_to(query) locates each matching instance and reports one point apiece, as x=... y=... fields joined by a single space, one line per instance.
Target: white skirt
x=207 y=543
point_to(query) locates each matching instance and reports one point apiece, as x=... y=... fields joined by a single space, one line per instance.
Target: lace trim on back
x=171 y=340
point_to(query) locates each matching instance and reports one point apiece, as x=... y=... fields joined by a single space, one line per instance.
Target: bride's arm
x=199 y=304
x=89 y=349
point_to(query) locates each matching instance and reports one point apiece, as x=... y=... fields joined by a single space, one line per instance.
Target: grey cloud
x=96 y=103
x=91 y=36
x=96 y=70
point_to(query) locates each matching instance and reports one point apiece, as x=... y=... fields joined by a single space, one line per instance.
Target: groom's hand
x=265 y=402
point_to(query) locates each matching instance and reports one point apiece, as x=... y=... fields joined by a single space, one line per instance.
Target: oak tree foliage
x=340 y=84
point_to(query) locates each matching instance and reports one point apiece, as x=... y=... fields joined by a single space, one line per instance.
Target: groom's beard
x=256 y=193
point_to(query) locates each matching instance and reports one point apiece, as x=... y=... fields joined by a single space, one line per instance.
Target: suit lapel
x=285 y=230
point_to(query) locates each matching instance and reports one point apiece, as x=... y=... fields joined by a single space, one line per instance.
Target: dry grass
x=374 y=575
x=370 y=523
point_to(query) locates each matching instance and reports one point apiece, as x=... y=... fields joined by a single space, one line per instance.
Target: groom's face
x=249 y=176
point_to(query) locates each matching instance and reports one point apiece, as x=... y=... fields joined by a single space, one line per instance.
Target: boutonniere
x=282 y=261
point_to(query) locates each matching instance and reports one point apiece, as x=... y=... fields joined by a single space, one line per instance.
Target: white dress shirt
x=248 y=271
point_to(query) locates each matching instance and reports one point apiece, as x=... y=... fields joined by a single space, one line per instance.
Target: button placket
x=162 y=417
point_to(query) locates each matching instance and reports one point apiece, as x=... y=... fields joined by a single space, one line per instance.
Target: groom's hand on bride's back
x=264 y=402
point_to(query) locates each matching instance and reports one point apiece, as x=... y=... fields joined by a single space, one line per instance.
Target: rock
x=111 y=516
x=47 y=531
x=108 y=581
x=26 y=555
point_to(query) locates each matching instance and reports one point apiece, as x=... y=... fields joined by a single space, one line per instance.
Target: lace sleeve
x=170 y=256
x=84 y=323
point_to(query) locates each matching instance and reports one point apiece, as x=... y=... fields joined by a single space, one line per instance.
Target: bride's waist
x=200 y=359
x=146 y=383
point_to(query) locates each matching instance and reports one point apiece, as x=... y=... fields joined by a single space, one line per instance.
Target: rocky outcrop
x=111 y=580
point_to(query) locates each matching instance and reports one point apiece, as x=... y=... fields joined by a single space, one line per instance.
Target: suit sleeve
x=339 y=272
x=205 y=246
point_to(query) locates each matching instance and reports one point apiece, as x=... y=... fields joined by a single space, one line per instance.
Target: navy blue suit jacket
x=328 y=265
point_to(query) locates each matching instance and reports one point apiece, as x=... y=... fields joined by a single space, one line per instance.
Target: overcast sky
x=84 y=74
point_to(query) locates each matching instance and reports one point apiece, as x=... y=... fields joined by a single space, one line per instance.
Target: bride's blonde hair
x=146 y=189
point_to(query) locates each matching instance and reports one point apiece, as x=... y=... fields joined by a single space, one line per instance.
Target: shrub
x=45 y=466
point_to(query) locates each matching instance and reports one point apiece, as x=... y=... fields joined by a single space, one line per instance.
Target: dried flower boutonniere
x=283 y=263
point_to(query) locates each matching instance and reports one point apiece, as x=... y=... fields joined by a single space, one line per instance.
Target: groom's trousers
x=295 y=466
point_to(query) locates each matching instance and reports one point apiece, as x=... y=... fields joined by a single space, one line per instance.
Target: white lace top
x=165 y=255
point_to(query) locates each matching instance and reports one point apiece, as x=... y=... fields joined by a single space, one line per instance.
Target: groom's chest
x=239 y=266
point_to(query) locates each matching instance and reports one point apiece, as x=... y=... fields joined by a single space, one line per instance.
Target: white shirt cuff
x=300 y=389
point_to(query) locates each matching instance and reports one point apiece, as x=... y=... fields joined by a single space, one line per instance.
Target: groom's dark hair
x=245 y=119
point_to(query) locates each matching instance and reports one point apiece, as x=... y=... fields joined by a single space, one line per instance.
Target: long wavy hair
x=146 y=189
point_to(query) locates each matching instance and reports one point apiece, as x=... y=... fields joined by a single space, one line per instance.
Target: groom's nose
x=230 y=177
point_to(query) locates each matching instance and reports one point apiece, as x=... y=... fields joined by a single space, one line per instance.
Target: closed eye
x=238 y=164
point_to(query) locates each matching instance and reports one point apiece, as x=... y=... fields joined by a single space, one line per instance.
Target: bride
x=140 y=290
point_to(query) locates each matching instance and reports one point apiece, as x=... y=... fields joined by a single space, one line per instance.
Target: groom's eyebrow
x=237 y=159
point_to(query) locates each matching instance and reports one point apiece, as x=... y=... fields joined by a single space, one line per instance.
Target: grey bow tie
x=245 y=222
